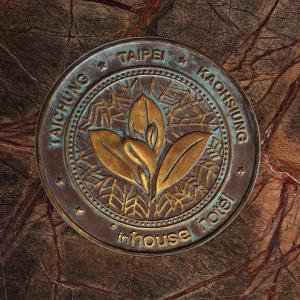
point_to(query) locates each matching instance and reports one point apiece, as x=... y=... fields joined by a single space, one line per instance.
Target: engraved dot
x=113 y=226
x=102 y=66
x=182 y=60
x=79 y=211
x=241 y=171
x=60 y=182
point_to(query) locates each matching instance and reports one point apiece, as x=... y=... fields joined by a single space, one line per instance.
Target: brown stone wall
x=257 y=256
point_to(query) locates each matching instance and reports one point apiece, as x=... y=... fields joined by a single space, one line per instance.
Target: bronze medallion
x=147 y=146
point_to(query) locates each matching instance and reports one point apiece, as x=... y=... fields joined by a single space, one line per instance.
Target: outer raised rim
x=210 y=236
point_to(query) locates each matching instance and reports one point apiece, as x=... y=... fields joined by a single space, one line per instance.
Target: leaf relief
x=144 y=157
x=109 y=150
x=151 y=135
x=147 y=119
x=124 y=201
x=181 y=158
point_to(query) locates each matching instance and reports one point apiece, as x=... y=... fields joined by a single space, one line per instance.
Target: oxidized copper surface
x=147 y=146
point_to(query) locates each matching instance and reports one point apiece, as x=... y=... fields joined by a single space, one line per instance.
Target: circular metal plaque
x=147 y=146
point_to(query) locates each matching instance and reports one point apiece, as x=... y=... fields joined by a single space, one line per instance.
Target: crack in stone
x=15 y=58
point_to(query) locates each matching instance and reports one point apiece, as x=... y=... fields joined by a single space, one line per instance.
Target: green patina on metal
x=156 y=144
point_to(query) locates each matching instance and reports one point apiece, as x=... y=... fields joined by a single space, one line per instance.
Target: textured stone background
x=257 y=256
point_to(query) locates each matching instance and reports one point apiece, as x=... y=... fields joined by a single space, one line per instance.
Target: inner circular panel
x=185 y=108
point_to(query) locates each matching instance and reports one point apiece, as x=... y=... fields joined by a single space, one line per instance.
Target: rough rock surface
x=257 y=256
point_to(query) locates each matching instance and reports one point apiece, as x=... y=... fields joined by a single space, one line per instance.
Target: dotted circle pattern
x=105 y=83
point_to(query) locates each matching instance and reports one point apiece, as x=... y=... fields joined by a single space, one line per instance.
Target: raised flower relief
x=140 y=156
